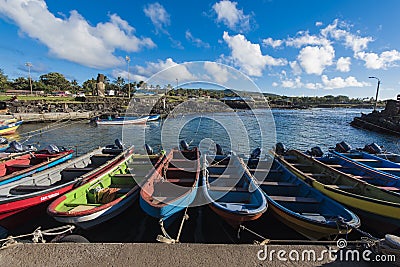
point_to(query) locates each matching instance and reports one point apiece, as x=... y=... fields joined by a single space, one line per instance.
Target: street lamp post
x=377 y=91
x=128 y=59
x=29 y=65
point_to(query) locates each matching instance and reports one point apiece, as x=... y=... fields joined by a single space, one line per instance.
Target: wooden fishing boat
x=356 y=168
x=371 y=162
x=296 y=204
x=380 y=207
x=9 y=126
x=105 y=196
x=172 y=187
x=231 y=190
x=122 y=121
x=27 y=164
x=29 y=195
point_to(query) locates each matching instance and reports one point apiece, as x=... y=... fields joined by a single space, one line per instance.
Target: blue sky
x=286 y=47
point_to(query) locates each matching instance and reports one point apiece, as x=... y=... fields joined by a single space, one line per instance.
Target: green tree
x=89 y=86
x=21 y=83
x=4 y=83
x=75 y=86
x=55 y=81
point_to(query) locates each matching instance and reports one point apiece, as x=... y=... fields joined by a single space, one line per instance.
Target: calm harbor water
x=301 y=129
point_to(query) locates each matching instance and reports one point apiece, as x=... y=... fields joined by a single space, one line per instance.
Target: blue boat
x=299 y=205
x=231 y=190
x=172 y=186
x=372 y=169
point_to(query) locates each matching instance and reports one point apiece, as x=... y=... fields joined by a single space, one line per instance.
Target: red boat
x=21 y=199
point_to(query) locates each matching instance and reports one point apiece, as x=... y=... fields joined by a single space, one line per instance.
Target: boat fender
x=3 y=140
x=373 y=148
x=342 y=147
x=256 y=153
x=149 y=149
x=184 y=145
x=14 y=147
x=219 y=150
x=316 y=152
x=280 y=148
x=118 y=143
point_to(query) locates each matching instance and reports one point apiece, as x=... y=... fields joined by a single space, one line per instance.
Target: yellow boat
x=9 y=126
x=380 y=207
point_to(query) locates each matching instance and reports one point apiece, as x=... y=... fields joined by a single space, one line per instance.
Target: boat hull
x=10 y=128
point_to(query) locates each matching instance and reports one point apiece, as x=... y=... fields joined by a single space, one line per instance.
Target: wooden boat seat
x=224 y=176
x=295 y=199
x=388 y=169
x=103 y=156
x=180 y=180
x=125 y=175
x=316 y=175
x=389 y=188
x=341 y=187
x=228 y=189
x=301 y=165
x=20 y=166
x=367 y=160
x=271 y=183
x=26 y=189
x=86 y=169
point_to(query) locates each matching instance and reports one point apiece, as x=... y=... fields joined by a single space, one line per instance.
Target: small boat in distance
x=122 y=120
x=9 y=126
x=231 y=191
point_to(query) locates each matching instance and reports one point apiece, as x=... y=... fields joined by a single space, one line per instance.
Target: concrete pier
x=157 y=254
x=48 y=117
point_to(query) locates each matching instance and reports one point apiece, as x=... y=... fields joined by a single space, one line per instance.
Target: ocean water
x=238 y=131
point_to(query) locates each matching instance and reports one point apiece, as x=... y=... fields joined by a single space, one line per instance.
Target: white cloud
x=232 y=17
x=339 y=82
x=270 y=42
x=304 y=38
x=167 y=71
x=248 y=57
x=219 y=73
x=318 y=23
x=355 y=42
x=295 y=67
x=72 y=38
x=343 y=64
x=314 y=59
x=384 y=60
x=158 y=16
x=275 y=84
x=197 y=41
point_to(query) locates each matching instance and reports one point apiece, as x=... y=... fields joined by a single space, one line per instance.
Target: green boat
x=106 y=196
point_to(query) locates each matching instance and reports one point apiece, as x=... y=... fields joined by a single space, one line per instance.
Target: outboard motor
x=256 y=153
x=149 y=149
x=373 y=148
x=14 y=147
x=3 y=140
x=184 y=145
x=342 y=147
x=280 y=148
x=52 y=149
x=118 y=143
x=316 y=152
x=219 y=149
